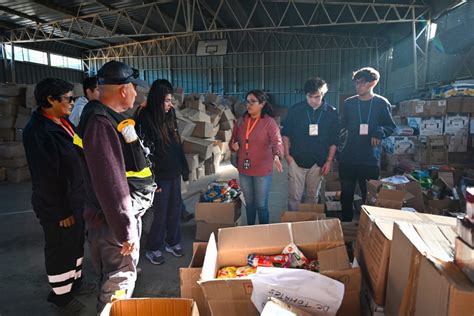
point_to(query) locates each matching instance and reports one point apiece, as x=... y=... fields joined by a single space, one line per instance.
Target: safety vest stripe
x=61 y=277
x=144 y=173
x=77 y=141
x=62 y=289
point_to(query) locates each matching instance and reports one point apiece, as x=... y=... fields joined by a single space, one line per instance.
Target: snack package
x=227 y=273
x=277 y=261
x=245 y=271
x=298 y=259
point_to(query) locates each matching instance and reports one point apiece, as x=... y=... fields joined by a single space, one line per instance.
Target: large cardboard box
x=153 y=306
x=422 y=108
x=432 y=150
x=231 y=297
x=189 y=276
x=422 y=278
x=374 y=239
x=210 y=217
x=456 y=122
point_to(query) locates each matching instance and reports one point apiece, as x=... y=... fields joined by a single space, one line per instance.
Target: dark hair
x=154 y=115
x=315 y=84
x=51 y=87
x=262 y=97
x=89 y=83
x=369 y=74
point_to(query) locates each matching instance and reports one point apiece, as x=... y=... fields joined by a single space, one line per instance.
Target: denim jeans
x=167 y=212
x=256 y=190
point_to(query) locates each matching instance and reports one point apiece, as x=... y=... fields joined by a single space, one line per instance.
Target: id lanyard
x=248 y=132
x=64 y=124
x=364 y=128
x=314 y=128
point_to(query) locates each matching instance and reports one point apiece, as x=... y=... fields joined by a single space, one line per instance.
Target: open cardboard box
x=422 y=278
x=189 y=276
x=210 y=217
x=154 y=306
x=232 y=296
x=306 y=212
x=374 y=239
x=413 y=196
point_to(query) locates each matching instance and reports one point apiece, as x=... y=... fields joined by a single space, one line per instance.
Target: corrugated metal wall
x=282 y=74
x=26 y=72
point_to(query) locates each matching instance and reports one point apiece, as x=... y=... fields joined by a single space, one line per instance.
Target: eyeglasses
x=70 y=99
x=251 y=101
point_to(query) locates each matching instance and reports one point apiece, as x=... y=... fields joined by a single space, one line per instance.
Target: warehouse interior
x=214 y=52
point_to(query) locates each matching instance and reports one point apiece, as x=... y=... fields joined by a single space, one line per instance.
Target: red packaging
x=277 y=261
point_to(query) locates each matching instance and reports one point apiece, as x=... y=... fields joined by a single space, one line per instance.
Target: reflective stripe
x=79 y=261
x=62 y=289
x=144 y=173
x=77 y=140
x=61 y=277
x=78 y=274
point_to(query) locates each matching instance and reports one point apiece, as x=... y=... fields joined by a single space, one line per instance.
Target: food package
x=277 y=261
x=298 y=259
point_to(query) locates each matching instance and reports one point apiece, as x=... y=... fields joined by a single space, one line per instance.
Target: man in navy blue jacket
x=366 y=120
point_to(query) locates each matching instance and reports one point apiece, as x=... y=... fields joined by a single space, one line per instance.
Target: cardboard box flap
x=154 y=306
x=209 y=267
x=308 y=207
x=227 y=290
x=428 y=240
x=236 y=243
x=288 y=217
x=334 y=259
x=199 y=252
x=313 y=236
x=393 y=195
x=232 y=307
x=217 y=213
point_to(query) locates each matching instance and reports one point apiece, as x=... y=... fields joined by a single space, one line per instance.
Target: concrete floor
x=23 y=281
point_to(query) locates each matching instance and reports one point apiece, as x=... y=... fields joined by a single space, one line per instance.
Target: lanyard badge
x=248 y=131
x=364 y=128
x=313 y=129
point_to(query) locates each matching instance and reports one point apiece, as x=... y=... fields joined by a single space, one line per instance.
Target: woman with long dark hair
x=156 y=122
x=256 y=139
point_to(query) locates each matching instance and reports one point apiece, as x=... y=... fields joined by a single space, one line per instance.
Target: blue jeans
x=256 y=190
x=167 y=212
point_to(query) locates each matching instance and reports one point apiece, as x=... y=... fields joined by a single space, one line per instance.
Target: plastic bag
x=309 y=291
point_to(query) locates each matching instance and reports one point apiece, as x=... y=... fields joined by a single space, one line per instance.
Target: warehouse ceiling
x=76 y=26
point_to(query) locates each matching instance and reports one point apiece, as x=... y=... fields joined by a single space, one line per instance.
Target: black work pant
x=349 y=175
x=63 y=253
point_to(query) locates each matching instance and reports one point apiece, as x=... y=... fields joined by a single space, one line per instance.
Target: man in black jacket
x=57 y=191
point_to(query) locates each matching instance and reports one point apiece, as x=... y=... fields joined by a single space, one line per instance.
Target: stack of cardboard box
x=14 y=115
x=210 y=217
x=205 y=126
x=430 y=120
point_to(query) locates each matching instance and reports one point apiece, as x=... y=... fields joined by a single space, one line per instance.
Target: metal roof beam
x=325 y=13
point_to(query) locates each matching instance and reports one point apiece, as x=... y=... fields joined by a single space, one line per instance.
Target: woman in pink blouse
x=256 y=139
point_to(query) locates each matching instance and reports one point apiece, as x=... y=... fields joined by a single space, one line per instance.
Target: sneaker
x=155 y=257
x=176 y=250
x=86 y=288
x=73 y=307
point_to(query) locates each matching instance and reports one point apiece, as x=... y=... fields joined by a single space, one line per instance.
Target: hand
x=67 y=222
x=278 y=164
x=375 y=141
x=326 y=168
x=127 y=248
x=235 y=146
x=289 y=159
